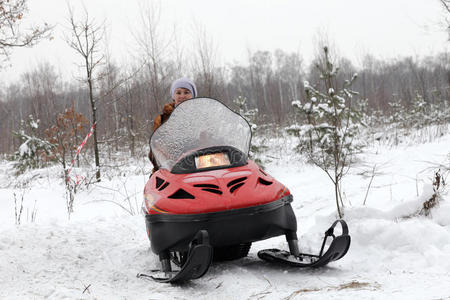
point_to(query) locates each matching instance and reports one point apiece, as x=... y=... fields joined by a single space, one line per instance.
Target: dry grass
x=353 y=285
x=438 y=186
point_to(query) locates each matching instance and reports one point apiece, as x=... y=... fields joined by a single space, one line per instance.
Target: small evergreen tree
x=33 y=151
x=332 y=123
x=418 y=115
x=248 y=114
x=397 y=117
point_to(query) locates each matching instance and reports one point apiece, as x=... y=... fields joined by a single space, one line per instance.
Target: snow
x=96 y=254
x=297 y=103
x=24 y=149
x=34 y=124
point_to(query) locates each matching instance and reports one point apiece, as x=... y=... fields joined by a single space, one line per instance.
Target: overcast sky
x=383 y=28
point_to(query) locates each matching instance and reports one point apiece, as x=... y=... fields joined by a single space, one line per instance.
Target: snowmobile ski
x=197 y=263
x=337 y=249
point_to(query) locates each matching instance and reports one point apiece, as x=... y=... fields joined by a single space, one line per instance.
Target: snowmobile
x=208 y=201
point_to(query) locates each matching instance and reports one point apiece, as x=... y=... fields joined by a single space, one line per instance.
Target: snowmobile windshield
x=197 y=124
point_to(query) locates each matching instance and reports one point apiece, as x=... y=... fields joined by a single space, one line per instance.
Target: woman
x=181 y=90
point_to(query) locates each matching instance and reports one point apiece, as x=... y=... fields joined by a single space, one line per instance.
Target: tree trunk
x=336 y=193
x=94 y=121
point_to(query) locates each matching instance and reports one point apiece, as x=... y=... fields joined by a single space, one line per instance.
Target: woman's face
x=181 y=94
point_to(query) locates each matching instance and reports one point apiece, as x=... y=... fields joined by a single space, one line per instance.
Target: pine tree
x=332 y=123
x=418 y=115
x=33 y=151
x=398 y=111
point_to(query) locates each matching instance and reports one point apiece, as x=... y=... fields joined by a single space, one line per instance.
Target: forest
x=128 y=101
x=122 y=99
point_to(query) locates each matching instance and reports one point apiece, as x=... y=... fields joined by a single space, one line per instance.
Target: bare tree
x=288 y=74
x=204 y=63
x=155 y=46
x=11 y=34
x=39 y=87
x=261 y=74
x=446 y=5
x=85 y=39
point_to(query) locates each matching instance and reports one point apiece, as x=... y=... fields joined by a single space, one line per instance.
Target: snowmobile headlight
x=212 y=160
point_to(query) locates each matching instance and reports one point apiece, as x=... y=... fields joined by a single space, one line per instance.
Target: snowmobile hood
x=211 y=191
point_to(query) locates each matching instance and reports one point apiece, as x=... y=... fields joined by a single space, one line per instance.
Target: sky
x=384 y=28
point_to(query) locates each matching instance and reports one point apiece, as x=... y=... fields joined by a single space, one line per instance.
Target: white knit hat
x=183 y=83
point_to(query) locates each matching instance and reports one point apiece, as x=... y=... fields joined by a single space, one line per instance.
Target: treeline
x=129 y=97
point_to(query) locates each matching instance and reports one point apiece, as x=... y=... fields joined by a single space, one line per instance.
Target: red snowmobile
x=208 y=201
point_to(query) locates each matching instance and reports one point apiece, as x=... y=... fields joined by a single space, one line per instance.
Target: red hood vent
x=212 y=188
x=161 y=184
x=181 y=194
x=233 y=182
x=264 y=182
x=265 y=174
x=236 y=183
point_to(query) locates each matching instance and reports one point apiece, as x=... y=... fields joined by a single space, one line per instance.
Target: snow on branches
x=332 y=123
x=33 y=150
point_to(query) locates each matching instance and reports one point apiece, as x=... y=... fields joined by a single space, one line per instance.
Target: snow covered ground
x=98 y=252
